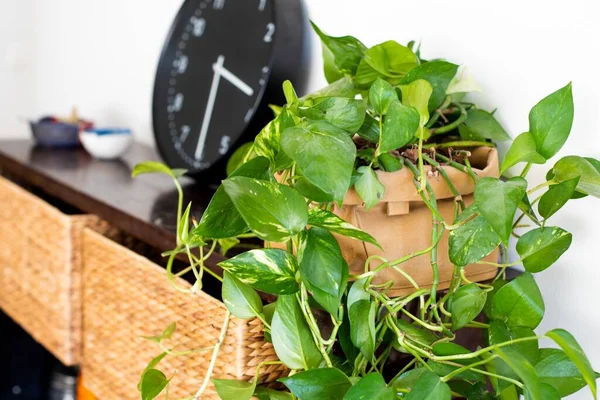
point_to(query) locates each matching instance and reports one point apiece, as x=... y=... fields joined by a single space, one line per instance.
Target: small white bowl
x=106 y=143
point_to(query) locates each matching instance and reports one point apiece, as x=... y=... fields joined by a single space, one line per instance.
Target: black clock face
x=211 y=78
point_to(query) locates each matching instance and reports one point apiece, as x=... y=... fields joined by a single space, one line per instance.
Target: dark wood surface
x=144 y=207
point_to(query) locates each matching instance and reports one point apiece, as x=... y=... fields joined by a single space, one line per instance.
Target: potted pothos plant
x=349 y=330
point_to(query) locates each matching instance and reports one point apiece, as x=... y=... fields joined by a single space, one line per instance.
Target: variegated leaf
x=267 y=142
x=269 y=270
x=274 y=212
x=221 y=220
x=333 y=223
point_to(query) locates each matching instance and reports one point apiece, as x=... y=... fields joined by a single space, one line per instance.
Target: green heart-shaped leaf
x=429 y=386
x=153 y=363
x=540 y=248
x=573 y=350
x=524 y=370
x=519 y=303
x=467 y=303
x=439 y=74
x=153 y=167
x=548 y=392
x=381 y=95
x=269 y=270
x=370 y=129
x=570 y=167
x=274 y=212
x=480 y=125
x=372 y=387
x=221 y=219
x=523 y=149
x=389 y=163
x=268 y=141
x=555 y=368
x=328 y=220
x=550 y=121
x=322 y=383
x=324 y=153
x=322 y=268
x=153 y=382
x=292 y=339
x=342 y=112
x=263 y=393
x=416 y=94
x=473 y=240
x=231 y=389
x=362 y=327
x=497 y=202
x=388 y=60
x=347 y=51
x=343 y=87
x=240 y=299
x=557 y=196
x=499 y=332
x=368 y=187
x=399 y=127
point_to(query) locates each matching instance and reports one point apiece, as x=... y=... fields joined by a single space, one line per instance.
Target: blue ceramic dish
x=109 y=131
x=55 y=134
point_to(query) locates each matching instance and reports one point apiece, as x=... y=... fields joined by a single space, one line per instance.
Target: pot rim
x=399 y=186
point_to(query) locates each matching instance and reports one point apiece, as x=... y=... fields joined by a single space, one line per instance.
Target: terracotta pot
x=401 y=223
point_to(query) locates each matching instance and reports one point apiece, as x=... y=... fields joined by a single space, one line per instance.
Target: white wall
x=102 y=55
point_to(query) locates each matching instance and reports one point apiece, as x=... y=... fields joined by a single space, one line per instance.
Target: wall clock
x=223 y=62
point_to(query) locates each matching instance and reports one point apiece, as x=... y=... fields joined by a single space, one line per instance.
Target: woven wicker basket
x=40 y=269
x=127 y=296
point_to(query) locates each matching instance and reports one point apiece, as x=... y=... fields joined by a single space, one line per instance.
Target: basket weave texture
x=40 y=269
x=126 y=296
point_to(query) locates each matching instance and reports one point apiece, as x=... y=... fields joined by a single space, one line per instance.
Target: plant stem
x=525 y=170
x=458 y=166
x=259 y=366
x=312 y=323
x=449 y=182
x=210 y=271
x=213 y=359
x=540 y=186
x=513 y=381
x=422 y=177
x=466 y=368
x=403 y=370
x=453 y=125
x=179 y=206
x=422 y=323
x=500 y=265
x=171 y=277
x=438 y=112
x=458 y=143
x=483 y=350
x=408 y=299
x=436 y=220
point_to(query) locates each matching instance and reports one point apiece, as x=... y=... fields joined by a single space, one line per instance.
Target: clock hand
x=209 y=107
x=234 y=80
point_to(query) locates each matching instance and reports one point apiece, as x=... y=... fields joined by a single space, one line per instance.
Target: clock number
x=181 y=64
x=185 y=131
x=224 y=145
x=198 y=26
x=219 y=4
x=177 y=103
x=261 y=5
x=270 y=31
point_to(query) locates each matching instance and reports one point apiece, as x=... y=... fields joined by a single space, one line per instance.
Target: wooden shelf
x=144 y=207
